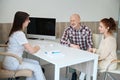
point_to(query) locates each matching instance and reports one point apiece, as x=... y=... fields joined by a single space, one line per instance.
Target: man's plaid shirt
x=81 y=37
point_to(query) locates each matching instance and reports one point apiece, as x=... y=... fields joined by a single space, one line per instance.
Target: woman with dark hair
x=17 y=44
x=107 y=47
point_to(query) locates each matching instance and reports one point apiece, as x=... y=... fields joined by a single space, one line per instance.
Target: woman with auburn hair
x=108 y=46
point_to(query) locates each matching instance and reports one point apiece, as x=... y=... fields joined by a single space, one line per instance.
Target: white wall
x=89 y=10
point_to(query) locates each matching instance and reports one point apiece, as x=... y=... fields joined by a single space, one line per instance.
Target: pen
x=55 y=52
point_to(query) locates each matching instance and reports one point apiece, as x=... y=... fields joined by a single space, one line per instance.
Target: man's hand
x=75 y=46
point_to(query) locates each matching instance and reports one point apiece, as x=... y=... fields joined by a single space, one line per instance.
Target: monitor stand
x=42 y=39
x=33 y=38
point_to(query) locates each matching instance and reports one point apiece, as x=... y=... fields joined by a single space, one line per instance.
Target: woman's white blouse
x=16 y=42
x=15 y=46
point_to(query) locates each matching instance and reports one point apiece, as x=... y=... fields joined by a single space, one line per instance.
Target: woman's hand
x=36 y=48
x=31 y=49
x=93 y=50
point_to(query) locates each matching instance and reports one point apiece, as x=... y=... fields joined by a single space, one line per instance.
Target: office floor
x=49 y=73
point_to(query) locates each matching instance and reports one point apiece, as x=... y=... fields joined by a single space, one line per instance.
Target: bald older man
x=77 y=35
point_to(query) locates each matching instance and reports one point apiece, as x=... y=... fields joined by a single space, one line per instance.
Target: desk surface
x=71 y=56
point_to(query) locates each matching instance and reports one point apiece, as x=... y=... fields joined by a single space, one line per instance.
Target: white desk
x=71 y=56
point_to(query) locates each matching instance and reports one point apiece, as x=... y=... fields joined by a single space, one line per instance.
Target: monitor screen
x=41 y=28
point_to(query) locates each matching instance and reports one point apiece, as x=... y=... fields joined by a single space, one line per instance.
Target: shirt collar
x=75 y=29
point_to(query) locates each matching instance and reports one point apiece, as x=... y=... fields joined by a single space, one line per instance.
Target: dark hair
x=109 y=23
x=19 y=19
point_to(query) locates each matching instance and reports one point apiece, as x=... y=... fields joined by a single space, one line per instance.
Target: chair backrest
x=12 y=73
x=2 y=49
x=96 y=40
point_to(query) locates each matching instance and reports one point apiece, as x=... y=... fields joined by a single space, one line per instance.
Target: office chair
x=12 y=74
x=116 y=71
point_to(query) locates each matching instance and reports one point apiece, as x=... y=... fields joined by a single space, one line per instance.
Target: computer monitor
x=41 y=28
